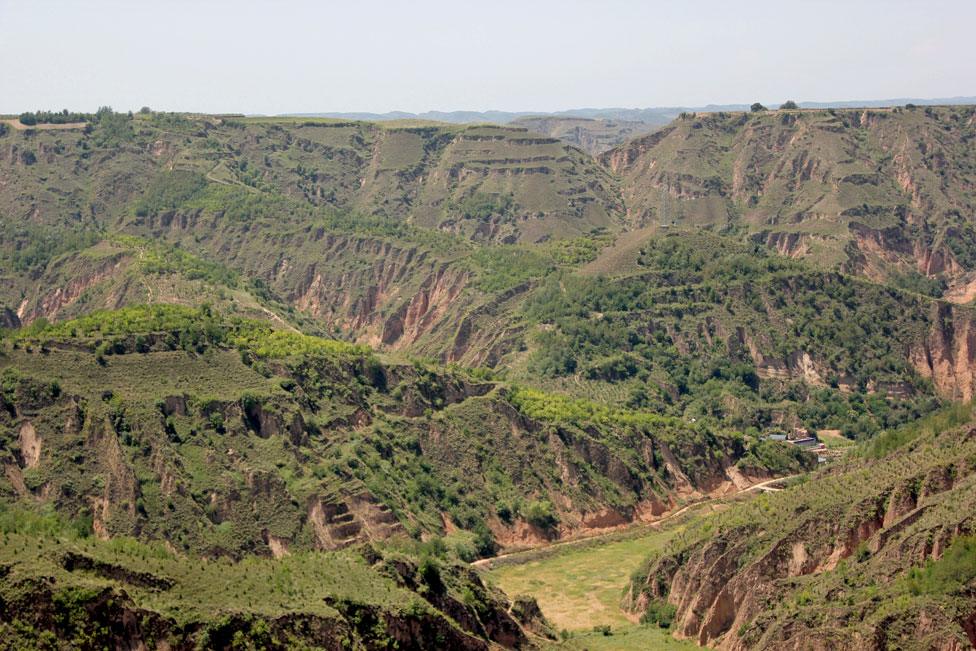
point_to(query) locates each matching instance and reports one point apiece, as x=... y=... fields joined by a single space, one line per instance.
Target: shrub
x=217 y=421
x=757 y=108
x=542 y=514
x=169 y=191
x=430 y=572
x=659 y=612
x=789 y=105
x=956 y=568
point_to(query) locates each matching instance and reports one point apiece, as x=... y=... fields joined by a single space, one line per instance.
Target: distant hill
x=594 y=135
x=883 y=193
x=658 y=115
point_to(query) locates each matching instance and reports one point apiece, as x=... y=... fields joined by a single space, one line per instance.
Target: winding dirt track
x=16 y=124
x=486 y=563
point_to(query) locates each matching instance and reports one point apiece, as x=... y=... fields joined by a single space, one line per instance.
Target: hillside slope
x=227 y=438
x=874 y=553
x=383 y=233
x=62 y=591
x=237 y=339
x=484 y=182
x=880 y=192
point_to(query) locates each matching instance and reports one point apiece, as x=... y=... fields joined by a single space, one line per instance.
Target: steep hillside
x=387 y=234
x=224 y=437
x=712 y=326
x=61 y=590
x=237 y=338
x=875 y=553
x=882 y=192
x=691 y=325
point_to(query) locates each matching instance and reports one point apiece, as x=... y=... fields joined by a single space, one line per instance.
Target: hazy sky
x=303 y=56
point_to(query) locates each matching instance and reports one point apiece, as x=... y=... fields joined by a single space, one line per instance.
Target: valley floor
x=579 y=585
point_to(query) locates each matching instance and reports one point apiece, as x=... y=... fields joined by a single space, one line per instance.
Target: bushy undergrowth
x=199 y=326
x=683 y=337
x=955 y=569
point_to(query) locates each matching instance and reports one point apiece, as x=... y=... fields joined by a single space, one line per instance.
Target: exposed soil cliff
x=259 y=446
x=947 y=352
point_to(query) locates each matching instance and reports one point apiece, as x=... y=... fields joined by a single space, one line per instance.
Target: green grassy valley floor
x=579 y=587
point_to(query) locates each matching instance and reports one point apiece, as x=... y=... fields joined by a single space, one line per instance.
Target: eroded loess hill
x=483 y=182
x=877 y=552
x=224 y=438
x=384 y=233
x=59 y=590
x=882 y=192
x=711 y=326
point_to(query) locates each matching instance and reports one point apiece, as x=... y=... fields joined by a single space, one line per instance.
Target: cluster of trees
x=160 y=259
x=27 y=247
x=169 y=191
x=482 y=206
x=649 y=334
x=200 y=326
x=112 y=128
x=53 y=117
x=788 y=105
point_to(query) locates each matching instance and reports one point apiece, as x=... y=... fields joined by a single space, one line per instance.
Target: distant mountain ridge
x=653 y=115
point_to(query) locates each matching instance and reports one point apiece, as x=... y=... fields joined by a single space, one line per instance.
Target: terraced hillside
x=881 y=192
x=62 y=590
x=485 y=182
x=363 y=229
x=642 y=318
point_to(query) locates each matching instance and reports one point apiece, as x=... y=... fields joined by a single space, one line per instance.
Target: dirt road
x=485 y=563
x=16 y=124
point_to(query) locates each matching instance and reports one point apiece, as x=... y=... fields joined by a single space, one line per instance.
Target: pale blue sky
x=302 y=56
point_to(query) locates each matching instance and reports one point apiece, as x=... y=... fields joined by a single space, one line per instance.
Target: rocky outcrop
x=418 y=316
x=341 y=521
x=30 y=445
x=70 y=279
x=946 y=354
x=881 y=252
